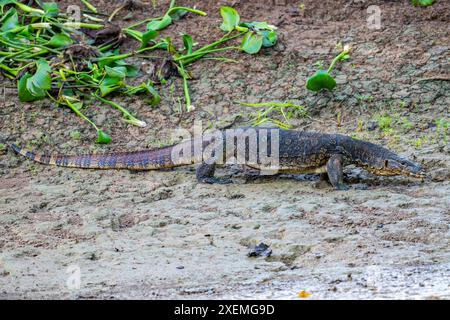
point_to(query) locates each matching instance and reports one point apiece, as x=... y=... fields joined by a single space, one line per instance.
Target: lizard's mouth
x=414 y=172
x=420 y=175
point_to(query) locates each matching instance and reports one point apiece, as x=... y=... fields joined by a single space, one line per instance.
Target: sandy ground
x=160 y=234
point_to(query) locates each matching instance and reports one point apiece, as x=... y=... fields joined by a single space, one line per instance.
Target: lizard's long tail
x=137 y=160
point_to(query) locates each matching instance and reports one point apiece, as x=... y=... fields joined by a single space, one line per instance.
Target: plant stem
x=202 y=13
x=216 y=43
x=78 y=25
x=197 y=55
x=89 y=6
x=142 y=22
x=116 y=11
x=128 y=117
x=78 y=113
x=92 y=18
x=338 y=57
x=187 y=97
x=270 y=104
x=28 y=9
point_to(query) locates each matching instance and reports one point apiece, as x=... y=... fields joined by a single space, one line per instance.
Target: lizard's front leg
x=205 y=174
x=335 y=173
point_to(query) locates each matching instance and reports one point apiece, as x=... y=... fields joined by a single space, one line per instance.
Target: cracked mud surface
x=160 y=234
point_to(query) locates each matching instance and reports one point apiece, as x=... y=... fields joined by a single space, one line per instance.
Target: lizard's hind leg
x=205 y=174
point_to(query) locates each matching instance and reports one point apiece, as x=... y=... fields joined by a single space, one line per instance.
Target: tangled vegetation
x=76 y=63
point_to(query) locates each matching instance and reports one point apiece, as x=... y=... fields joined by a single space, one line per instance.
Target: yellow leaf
x=304 y=294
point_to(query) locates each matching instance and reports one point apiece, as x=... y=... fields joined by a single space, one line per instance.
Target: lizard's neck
x=366 y=154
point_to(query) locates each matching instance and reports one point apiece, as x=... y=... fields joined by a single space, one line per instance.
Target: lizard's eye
x=386 y=163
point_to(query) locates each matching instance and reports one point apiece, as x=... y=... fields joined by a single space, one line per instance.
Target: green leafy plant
x=31 y=51
x=255 y=35
x=442 y=130
x=276 y=112
x=39 y=50
x=385 y=123
x=322 y=79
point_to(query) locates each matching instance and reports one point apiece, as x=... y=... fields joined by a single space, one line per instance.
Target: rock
x=261 y=250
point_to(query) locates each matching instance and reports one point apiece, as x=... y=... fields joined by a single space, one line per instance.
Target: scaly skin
x=299 y=152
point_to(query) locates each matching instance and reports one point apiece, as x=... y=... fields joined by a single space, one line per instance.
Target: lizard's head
x=395 y=165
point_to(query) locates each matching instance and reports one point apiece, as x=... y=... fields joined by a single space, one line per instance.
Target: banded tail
x=137 y=160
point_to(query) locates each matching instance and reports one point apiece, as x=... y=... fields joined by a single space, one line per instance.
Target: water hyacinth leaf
x=178 y=14
x=161 y=24
x=103 y=137
x=156 y=98
x=256 y=25
x=252 y=43
x=10 y=20
x=269 y=38
x=320 y=80
x=116 y=72
x=188 y=43
x=146 y=88
x=110 y=84
x=24 y=94
x=134 y=33
x=131 y=69
x=51 y=9
x=147 y=37
x=41 y=80
x=60 y=40
x=230 y=18
x=77 y=105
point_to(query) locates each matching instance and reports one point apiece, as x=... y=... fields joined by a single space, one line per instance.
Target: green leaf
x=160 y=24
x=110 y=84
x=51 y=9
x=24 y=94
x=78 y=105
x=131 y=70
x=116 y=72
x=178 y=14
x=10 y=20
x=256 y=25
x=320 y=80
x=40 y=81
x=156 y=98
x=146 y=88
x=269 y=38
x=230 y=18
x=252 y=43
x=103 y=137
x=422 y=3
x=188 y=43
x=60 y=40
x=147 y=37
x=134 y=33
